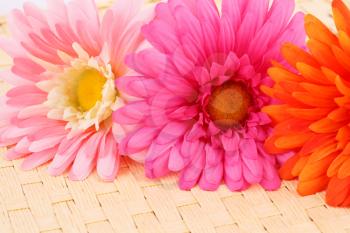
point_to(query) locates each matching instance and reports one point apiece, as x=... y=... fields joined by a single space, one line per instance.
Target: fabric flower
x=312 y=117
x=65 y=62
x=194 y=102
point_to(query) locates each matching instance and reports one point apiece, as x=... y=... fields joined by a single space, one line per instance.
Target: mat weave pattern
x=34 y=202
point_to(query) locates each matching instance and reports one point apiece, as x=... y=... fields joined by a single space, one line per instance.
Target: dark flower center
x=228 y=105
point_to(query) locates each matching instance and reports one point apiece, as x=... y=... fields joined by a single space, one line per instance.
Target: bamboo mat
x=33 y=202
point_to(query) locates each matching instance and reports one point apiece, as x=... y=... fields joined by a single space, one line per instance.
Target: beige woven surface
x=33 y=202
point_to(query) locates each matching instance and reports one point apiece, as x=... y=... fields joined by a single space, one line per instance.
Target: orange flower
x=313 y=115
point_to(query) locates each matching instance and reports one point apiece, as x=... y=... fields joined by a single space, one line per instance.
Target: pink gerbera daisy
x=194 y=105
x=65 y=62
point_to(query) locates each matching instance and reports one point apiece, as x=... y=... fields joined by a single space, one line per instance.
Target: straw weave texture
x=33 y=202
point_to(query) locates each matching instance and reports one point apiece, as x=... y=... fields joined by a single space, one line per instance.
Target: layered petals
x=65 y=63
x=313 y=97
x=202 y=58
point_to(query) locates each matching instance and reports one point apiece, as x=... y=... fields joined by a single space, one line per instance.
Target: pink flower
x=65 y=62
x=194 y=105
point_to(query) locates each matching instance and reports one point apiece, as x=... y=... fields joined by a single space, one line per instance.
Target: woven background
x=33 y=202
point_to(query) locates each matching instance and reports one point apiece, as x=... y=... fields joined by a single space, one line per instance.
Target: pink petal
x=231 y=9
x=201 y=75
x=23 y=146
x=138 y=141
x=26 y=100
x=190 y=30
x=13 y=132
x=84 y=20
x=182 y=63
x=9 y=77
x=132 y=113
x=32 y=111
x=154 y=63
x=26 y=91
x=230 y=143
x=11 y=154
x=137 y=86
x=66 y=153
x=85 y=160
x=238 y=185
x=45 y=143
x=171 y=132
x=208 y=15
x=36 y=159
x=211 y=177
x=191 y=174
x=11 y=47
x=28 y=69
x=233 y=166
x=160 y=34
x=213 y=170
x=253 y=168
x=108 y=161
x=158 y=167
x=176 y=162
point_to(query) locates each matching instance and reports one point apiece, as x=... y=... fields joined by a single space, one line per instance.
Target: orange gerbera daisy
x=312 y=116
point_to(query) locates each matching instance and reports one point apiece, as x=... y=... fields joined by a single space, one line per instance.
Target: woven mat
x=33 y=202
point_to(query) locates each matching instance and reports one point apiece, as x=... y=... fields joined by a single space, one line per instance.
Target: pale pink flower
x=65 y=62
x=195 y=103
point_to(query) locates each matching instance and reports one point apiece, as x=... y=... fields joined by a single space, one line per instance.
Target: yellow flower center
x=89 y=88
x=228 y=105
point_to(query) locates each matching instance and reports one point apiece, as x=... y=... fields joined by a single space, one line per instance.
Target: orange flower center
x=228 y=105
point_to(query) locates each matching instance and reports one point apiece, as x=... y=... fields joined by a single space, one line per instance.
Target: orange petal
x=290 y=86
x=315 y=29
x=343 y=101
x=343 y=134
x=338 y=191
x=313 y=169
x=292 y=125
x=292 y=141
x=344 y=170
x=316 y=141
x=341 y=15
x=321 y=90
x=267 y=90
x=299 y=166
x=289 y=99
x=341 y=145
x=324 y=55
x=279 y=74
x=336 y=164
x=276 y=112
x=343 y=86
x=312 y=74
x=269 y=145
x=346 y=150
x=277 y=64
x=294 y=54
x=342 y=57
x=329 y=74
x=326 y=125
x=286 y=170
x=346 y=202
x=308 y=114
x=344 y=41
x=313 y=101
x=339 y=114
x=312 y=186
x=323 y=152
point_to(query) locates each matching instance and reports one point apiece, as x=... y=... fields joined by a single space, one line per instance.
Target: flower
x=312 y=114
x=65 y=62
x=194 y=102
